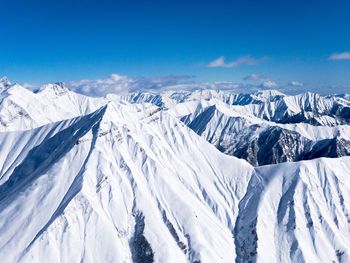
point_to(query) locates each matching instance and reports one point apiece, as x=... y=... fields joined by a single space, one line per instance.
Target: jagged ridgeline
x=265 y=127
x=154 y=178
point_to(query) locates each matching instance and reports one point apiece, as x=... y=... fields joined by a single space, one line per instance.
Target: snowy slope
x=83 y=192
x=296 y=212
x=170 y=98
x=131 y=183
x=21 y=109
x=259 y=141
x=123 y=180
x=269 y=105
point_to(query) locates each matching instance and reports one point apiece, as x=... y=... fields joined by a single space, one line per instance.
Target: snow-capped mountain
x=264 y=127
x=269 y=105
x=169 y=98
x=119 y=184
x=22 y=109
x=4 y=83
x=258 y=141
x=151 y=178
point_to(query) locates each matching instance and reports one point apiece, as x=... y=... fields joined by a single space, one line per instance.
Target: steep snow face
x=296 y=212
x=264 y=127
x=131 y=183
x=258 y=141
x=126 y=183
x=21 y=109
x=132 y=178
x=304 y=108
x=136 y=183
x=269 y=105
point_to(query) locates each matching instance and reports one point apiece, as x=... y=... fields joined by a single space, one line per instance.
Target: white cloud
x=340 y=56
x=269 y=84
x=99 y=87
x=28 y=86
x=121 y=84
x=254 y=76
x=296 y=84
x=220 y=62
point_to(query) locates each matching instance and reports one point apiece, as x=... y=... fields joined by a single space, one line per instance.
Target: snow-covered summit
x=132 y=183
x=22 y=109
x=150 y=176
x=57 y=89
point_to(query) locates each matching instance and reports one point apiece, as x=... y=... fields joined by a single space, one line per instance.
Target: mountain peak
x=150 y=177
x=4 y=79
x=4 y=83
x=268 y=93
x=58 y=88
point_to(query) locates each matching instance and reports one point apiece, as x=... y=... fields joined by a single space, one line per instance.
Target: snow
x=21 y=109
x=116 y=170
x=116 y=179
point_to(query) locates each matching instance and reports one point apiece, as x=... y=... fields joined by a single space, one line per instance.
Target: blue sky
x=284 y=41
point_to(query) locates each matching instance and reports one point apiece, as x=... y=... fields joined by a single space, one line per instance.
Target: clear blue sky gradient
x=67 y=40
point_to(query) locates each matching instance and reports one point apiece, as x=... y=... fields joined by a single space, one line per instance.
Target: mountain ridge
x=121 y=181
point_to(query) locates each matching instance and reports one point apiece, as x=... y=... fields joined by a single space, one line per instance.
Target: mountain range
x=173 y=176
